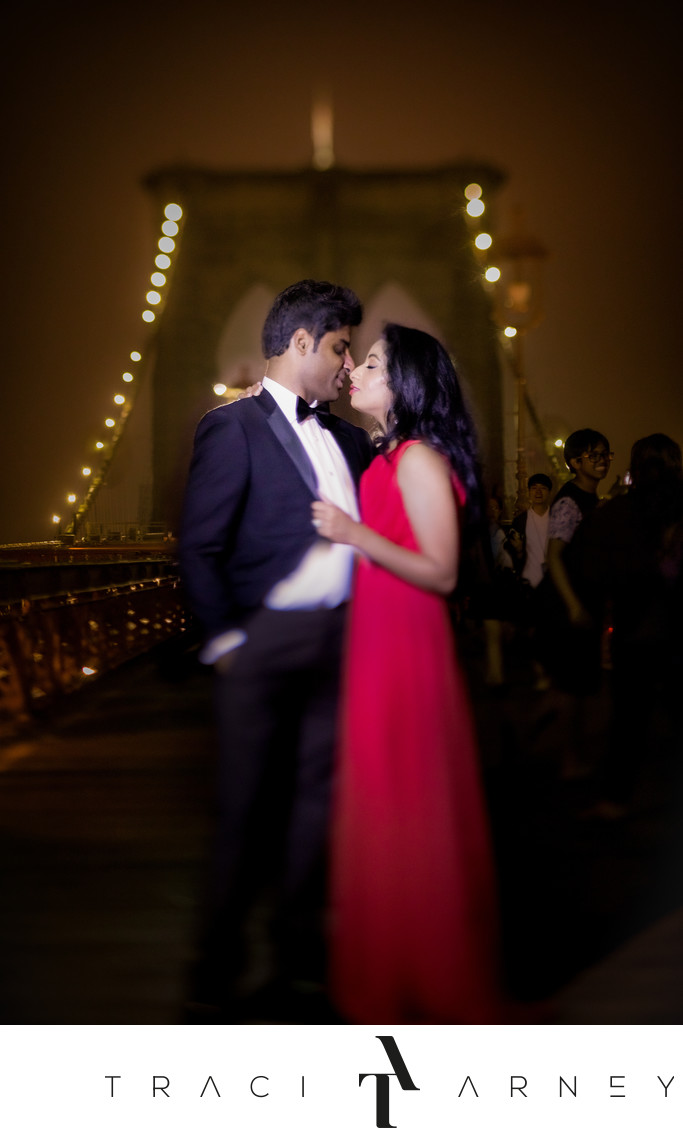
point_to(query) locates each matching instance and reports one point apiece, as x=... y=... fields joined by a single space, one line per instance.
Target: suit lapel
x=288 y=439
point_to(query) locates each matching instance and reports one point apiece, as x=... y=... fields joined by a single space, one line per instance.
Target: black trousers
x=276 y=714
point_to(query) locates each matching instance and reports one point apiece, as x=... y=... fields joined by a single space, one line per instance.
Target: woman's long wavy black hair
x=429 y=404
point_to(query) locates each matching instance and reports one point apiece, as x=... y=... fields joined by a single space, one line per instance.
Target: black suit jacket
x=246 y=519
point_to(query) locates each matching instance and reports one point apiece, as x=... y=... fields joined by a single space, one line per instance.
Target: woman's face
x=369 y=388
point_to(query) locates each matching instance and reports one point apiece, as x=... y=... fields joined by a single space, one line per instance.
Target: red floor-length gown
x=414 y=930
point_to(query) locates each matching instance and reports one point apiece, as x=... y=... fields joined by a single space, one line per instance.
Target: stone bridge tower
x=400 y=238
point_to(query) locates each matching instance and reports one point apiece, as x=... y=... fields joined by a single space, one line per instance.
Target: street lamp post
x=518 y=308
x=517 y=359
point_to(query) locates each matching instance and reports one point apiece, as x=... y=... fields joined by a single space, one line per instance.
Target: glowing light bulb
x=86 y=471
x=89 y=671
x=510 y=332
x=492 y=274
x=473 y=191
x=135 y=355
x=158 y=279
x=483 y=240
x=169 y=228
x=153 y=297
x=110 y=422
x=119 y=399
x=475 y=208
x=127 y=377
x=162 y=261
x=559 y=443
x=99 y=445
x=71 y=498
x=148 y=316
x=166 y=244
x=173 y=212
x=220 y=388
x=56 y=519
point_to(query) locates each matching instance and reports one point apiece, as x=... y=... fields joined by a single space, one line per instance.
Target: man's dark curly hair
x=315 y=305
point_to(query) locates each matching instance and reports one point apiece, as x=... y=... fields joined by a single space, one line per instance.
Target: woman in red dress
x=414 y=925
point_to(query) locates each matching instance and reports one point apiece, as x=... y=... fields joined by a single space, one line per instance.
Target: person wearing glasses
x=569 y=627
x=587 y=454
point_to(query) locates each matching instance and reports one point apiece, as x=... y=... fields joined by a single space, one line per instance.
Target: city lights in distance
x=169 y=228
x=158 y=279
x=219 y=388
x=127 y=377
x=119 y=399
x=162 y=261
x=148 y=316
x=110 y=422
x=475 y=208
x=483 y=240
x=135 y=356
x=492 y=274
x=473 y=191
x=510 y=332
x=173 y=212
x=166 y=244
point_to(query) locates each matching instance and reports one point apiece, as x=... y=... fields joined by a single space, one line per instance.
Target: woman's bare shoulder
x=421 y=456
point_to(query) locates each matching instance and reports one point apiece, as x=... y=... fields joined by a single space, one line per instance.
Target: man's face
x=325 y=369
x=538 y=494
x=594 y=463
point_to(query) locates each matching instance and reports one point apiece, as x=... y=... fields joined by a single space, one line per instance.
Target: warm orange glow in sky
x=558 y=99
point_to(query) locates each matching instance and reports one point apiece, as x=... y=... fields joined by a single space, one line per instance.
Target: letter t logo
x=382 y=1091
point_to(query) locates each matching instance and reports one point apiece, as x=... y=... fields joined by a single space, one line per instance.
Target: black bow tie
x=321 y=412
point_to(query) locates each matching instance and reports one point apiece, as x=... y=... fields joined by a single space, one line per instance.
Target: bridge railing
x=64 y=622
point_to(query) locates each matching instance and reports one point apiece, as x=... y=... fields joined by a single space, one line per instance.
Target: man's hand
x=225 y=662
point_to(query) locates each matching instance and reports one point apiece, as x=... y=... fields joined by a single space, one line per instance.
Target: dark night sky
x=577 y=104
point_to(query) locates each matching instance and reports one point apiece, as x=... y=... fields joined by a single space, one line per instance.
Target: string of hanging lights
x=510 y=275
x=93 y=472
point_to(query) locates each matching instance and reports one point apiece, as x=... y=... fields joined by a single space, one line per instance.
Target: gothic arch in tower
x=392 y=303
x=239 y=360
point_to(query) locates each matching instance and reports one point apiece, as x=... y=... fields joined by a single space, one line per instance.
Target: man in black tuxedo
x=271 y=597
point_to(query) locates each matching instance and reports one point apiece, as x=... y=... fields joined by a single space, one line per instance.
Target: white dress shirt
x=536 y=546
x=323 y=578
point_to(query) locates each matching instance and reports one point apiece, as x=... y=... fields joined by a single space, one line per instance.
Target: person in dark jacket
x=631 y=553
x=271 y=597
x=569 y=629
